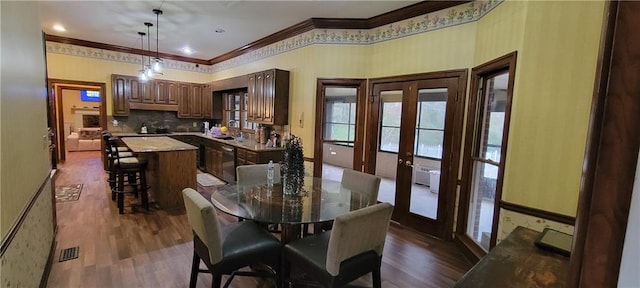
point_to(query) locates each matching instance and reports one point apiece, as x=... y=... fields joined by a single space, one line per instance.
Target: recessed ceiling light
x=187 y=50
x=59 y=28
x=219 y=30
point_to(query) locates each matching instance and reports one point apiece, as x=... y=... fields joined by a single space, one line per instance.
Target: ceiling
x=193 y=23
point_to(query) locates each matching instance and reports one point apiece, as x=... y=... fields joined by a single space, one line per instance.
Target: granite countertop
x=156 y=144
x=248 y=143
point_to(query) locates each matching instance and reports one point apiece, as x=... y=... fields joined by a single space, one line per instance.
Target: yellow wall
x=24 y=154
x=554 y=87
x=69 y=67
x=23 y=112
x=70 y=99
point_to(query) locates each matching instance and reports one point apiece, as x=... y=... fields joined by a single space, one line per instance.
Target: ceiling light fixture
x=59 y=28
x=147 y=68
x=157 y=62
x=142 y=76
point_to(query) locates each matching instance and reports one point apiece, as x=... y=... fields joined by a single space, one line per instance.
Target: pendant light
x=148 y=69
x=142 y=76
x=157 y=63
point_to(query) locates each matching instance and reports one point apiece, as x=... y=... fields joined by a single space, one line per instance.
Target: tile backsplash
x=155 y=120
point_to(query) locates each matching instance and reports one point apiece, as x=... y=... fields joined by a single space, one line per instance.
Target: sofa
x=85 y=139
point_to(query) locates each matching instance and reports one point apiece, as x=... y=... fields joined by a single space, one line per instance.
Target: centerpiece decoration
x=292 y=168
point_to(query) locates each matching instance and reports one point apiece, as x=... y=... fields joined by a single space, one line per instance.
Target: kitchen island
x=172 y=167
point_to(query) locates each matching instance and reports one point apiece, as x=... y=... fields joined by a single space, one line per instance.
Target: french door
x=413 y=144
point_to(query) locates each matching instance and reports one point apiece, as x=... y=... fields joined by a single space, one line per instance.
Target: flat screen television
x=90 y=96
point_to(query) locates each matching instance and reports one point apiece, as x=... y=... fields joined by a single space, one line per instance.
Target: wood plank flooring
x=154 y=249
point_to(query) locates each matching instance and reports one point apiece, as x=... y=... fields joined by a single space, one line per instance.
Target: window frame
x=471 y=149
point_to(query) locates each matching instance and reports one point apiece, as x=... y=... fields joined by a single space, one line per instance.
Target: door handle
x=408 y=163
x=400 y=161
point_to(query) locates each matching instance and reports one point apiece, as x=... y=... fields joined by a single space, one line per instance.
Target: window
x=430 y=118
x=487 y=131
x=340 y=120
x=235 y=113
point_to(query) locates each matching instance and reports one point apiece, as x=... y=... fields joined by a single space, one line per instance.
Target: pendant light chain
x=148 y=68
x=157 y=65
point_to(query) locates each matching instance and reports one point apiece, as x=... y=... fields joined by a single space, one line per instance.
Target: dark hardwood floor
x=154 y=249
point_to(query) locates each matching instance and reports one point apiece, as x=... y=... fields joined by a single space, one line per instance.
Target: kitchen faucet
x=232 y=123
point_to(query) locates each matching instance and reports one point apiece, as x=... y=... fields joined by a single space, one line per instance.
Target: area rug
x=206 y=180
x=70 y=192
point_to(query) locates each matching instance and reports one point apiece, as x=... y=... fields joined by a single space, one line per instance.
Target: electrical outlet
x=195 y=124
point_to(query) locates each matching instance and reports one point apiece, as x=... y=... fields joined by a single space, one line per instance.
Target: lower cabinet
x=248 y=157
x=213 y=159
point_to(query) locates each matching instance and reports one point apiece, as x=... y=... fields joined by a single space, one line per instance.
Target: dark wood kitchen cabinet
x=268 y=97
x=165 y=92
x=140 y=91
x=190 y=100
x=214 y=158
x=119 y=91
x=249 y=157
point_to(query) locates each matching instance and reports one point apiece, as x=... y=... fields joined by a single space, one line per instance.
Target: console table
x=517 y=262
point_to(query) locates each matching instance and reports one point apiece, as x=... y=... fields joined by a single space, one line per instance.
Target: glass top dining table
x=319 y=200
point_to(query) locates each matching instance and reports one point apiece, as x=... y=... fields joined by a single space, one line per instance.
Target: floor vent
x=69 y=253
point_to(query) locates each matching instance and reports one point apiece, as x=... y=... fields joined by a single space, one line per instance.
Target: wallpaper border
x=457 y=15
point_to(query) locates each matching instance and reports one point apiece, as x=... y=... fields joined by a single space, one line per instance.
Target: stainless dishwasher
x=228 y=163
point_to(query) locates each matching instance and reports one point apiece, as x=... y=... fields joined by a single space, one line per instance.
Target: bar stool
x=135 y=170
x=108 y=151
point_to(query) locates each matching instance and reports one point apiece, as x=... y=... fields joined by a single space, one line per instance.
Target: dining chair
x=364 y=183
x=353 y=248
x=256 y=174
x=225 y=250
x=250 y=175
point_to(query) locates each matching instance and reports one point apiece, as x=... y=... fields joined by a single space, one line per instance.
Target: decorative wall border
x=457 y=15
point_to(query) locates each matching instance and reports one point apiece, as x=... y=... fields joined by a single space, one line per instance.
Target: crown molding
x=297 y=29
x=414 y=10
x=116 y=48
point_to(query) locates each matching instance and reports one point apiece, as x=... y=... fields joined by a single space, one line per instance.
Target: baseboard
x=52 y=252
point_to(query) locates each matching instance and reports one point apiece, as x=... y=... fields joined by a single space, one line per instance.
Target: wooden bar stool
x=134 y=169
x=109 y=150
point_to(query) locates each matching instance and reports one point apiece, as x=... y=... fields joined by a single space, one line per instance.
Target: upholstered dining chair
x=224 y=250
x=256 y=174
x=353 y=248
x=357 y=181
x=249 y=175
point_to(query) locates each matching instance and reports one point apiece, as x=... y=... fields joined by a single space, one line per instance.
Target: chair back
x=361 y=182
x=249 y=175
x=204 y=222
x=357 y=232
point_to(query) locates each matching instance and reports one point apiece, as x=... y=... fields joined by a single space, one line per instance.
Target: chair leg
x=217 y=280
x=120 y=192
x=195 y=266
x=375 y=275
x=143 y=189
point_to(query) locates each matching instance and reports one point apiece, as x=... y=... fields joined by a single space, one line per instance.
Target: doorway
x=413 y=143
x=340 y=125
x=74 y=105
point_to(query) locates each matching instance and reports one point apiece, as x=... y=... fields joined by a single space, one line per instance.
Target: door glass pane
x=339 y=122
x=483 y=191
x=493 y=120
x=387 y=154
x=485 y=175
x=340 y=114
x=429 y=140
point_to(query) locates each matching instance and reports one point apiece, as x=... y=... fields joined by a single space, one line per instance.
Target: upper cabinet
x=268 y=93
x=119 y=87
x=166 y=92
x=190 y=100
